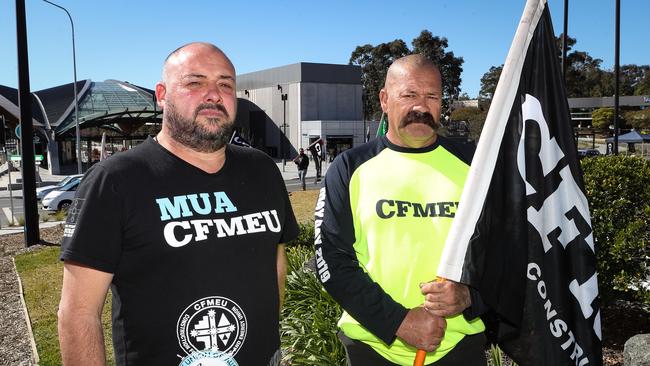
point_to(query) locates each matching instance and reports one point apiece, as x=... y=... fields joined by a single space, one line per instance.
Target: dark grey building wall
x=330 y=102
x=300 y=72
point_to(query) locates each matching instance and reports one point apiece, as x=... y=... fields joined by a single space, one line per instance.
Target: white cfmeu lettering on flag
x=554 y=213
x=321 y=265
x=557 y=326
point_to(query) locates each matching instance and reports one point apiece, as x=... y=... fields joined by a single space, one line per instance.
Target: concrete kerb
x=21 y=229
x=30 y=332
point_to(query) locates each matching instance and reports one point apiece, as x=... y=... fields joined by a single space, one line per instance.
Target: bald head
x=411 y=98
x=182 y=53
x=408 y=64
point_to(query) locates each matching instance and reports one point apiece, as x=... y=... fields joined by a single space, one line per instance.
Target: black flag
x=316 y=149
x=522 y=234
x=238 y=140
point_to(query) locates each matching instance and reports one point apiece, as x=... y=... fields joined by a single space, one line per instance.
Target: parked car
x=43 y=191
x=61 y=199
x=588 y=152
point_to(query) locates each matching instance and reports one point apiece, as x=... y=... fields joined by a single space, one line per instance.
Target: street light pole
x=284 y=129
x=617 y=47
x=76 y=97
x=27 y=129
x=284 y=126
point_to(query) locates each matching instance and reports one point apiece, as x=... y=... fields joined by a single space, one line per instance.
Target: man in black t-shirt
x=186 y=231
x=302 y=162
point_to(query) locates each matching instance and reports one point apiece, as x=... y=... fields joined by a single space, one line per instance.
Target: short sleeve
x=93 y=230
x=290 y=228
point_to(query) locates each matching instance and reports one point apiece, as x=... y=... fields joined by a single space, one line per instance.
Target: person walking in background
x=302 y=161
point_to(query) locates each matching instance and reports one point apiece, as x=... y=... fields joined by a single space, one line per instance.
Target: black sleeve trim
x=477 y=308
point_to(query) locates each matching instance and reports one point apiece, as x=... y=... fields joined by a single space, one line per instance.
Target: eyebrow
x=201 y=76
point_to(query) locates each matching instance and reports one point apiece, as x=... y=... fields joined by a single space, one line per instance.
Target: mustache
x=216 y=106
x=419 y=117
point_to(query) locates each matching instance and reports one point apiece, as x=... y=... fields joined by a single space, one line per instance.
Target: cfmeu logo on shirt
x=387 y=209
x=212 y=324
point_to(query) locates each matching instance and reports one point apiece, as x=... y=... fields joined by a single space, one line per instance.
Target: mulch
x=15 y=342
x=620 y=320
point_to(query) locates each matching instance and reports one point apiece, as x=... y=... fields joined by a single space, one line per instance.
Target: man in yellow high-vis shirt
x=381 y=222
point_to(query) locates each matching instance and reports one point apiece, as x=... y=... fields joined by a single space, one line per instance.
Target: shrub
x=305 y=237
x=60 y=215
x=21 y=221
x=618 y=189
x=309 y=316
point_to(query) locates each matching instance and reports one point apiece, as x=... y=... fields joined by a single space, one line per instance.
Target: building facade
x=285 y=108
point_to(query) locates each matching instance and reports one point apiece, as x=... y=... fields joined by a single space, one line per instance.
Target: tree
x=570 y=42
x=631 y=77
x=375 y=60
x=464 y=96
x=640 y=120
x=434 y=48
x=602 y=117
x=489 y=83
x=643 y=88
x=584 y=78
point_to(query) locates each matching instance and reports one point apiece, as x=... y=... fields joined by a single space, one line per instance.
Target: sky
x=129 y=39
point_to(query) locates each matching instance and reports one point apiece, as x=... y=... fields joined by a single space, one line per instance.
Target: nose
x=213 y=95
x=420 y=104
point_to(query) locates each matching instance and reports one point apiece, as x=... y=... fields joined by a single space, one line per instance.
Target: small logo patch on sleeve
x=73 y=215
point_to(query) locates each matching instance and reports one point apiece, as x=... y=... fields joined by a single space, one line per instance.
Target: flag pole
x=564 y=39
x=617 y=39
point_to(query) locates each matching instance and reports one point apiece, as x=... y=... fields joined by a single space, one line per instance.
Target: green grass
x=41 y=273
x=60 y=215
x=303 y=203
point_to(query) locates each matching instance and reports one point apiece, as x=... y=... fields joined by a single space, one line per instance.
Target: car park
x=60 y=199
x=66 y=182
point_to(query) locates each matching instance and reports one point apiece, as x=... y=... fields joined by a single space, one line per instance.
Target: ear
x=383 y=99
x=161 y=92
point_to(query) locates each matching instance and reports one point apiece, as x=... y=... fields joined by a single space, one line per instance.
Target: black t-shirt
x=193 y=254
x=302 y=161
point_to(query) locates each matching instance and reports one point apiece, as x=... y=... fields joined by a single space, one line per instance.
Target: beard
x=419 y=117
x=199 y=136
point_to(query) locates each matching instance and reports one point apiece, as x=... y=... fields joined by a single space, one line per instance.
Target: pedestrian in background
x=302 y=161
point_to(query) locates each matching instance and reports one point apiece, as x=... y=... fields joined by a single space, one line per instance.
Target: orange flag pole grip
x=420 y=355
